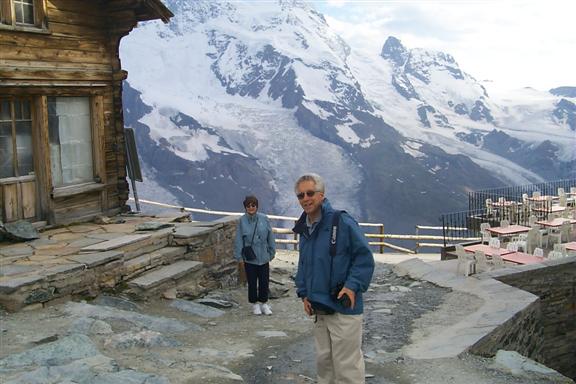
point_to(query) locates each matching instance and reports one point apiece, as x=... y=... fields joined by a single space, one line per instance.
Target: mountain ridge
x=270 y=107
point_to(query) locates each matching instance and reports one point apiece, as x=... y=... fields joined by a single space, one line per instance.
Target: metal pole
x=133 y=182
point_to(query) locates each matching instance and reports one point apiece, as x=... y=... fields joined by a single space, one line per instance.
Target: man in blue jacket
x=330 y=284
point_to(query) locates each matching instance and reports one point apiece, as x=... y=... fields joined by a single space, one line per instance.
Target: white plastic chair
x=497 y=261
x=486 y=236
x=466 y=264
x=504 y=223
x=561 y=234
x=561 y=191
x=560 y=248
x=512 y=246
x=538 y=252
x=553 y=255
x=541 y=235
x=522 y=241
x=482 y=263
x=536 y=194
x=494 y=243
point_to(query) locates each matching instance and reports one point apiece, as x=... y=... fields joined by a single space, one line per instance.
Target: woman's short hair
x=250 y=199
x=317 y=179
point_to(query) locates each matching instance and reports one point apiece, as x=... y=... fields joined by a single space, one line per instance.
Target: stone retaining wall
x=546 y=330
x=68 y=276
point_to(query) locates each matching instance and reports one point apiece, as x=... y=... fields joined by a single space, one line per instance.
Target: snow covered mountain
x=233 y=98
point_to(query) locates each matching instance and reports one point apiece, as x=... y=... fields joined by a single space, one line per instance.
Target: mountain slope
x=234 y=98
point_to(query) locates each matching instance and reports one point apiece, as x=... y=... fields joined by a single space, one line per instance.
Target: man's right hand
x=307 y=307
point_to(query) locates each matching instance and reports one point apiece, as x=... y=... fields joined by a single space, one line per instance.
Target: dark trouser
x=258 y=279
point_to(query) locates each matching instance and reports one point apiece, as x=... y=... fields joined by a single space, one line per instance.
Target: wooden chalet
x=62 y=147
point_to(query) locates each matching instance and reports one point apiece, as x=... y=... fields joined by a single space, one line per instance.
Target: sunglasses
x=300 y=195
x=251 y=205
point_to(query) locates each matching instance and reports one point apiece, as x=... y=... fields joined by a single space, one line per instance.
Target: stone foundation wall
x=546 y=330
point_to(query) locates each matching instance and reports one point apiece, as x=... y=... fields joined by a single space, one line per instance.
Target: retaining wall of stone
x=546 y=330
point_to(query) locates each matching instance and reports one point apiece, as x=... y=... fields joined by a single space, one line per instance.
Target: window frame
x=90 y=134
x=98 y=182
x=14 y=132
x=8 y=17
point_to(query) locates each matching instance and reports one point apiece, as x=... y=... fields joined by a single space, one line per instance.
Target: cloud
x=517 y=43
x=336 y=3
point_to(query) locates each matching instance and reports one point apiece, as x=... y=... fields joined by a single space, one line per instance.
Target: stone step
x=143 y=263
x=116 y=243
x=133 y=245
x=169 y=273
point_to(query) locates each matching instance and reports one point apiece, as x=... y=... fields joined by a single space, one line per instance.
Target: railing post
x=296 y=239
x=382 y=238
x=417 y=242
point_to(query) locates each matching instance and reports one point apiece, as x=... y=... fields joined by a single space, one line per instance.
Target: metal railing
x=477 y=199
x=374 y=232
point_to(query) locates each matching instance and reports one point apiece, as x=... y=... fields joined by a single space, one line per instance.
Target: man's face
x=310 y=200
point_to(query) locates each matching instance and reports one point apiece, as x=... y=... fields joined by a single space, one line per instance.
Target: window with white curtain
x=70 y=136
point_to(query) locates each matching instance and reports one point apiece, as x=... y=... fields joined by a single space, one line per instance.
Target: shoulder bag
x=247 y=250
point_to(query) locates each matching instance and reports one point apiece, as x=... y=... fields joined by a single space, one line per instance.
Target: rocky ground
x=113 y=340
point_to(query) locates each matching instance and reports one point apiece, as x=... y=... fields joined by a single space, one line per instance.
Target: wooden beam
x=41 y=145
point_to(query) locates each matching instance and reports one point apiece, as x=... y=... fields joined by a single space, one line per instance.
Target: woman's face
x=251 y=208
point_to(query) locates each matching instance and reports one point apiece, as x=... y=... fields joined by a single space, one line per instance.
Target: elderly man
x=334 y=268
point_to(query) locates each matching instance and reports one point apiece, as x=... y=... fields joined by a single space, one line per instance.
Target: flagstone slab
x=83 y=228
x=92 y=260
x=17 y=250
x=61 y=269
x=152 y=226
x=116 y=243
x=186 y=231
x=65 y=236
x=103 y=236
x=164 y=274
x=85 y=241
x=58 y=252
x=12 y=284
x=14 y=269
x=119 y=228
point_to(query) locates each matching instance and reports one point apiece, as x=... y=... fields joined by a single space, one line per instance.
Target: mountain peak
x=394 y=50
x=564 y=91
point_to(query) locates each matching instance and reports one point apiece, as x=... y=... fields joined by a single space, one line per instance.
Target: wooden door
x=18 y=192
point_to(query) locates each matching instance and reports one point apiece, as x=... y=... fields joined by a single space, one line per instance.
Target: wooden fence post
x=296 y=239
x=382 y=238
x=417 y=243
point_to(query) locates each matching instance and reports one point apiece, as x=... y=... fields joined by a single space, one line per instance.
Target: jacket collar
x=301 y=226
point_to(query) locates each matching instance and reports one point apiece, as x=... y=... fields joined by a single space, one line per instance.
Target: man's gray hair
x=317 y=179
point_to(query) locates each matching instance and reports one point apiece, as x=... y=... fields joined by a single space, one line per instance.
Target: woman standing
x=254 y=230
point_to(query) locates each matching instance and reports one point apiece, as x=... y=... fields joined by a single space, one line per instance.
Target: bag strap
x=253 y=234
x=333 y=242
x=334 y=232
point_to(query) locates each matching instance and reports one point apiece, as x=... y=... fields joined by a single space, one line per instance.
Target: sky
x=507 y=44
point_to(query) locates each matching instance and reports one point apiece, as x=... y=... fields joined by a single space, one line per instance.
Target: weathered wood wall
x=76 y=55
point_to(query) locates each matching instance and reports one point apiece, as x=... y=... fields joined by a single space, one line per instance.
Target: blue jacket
x=353 y=263
x=264 y=245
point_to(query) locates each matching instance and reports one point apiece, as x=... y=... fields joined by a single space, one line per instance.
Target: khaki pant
x=339 y=358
